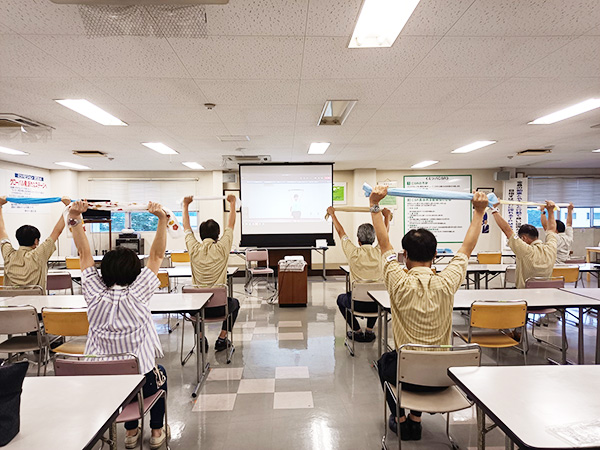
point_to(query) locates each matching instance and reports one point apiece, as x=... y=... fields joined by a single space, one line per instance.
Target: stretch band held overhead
x=217 y=197
x=33 y=201
x=365 y=209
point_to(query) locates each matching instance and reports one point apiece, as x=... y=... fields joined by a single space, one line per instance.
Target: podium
x=293 y=287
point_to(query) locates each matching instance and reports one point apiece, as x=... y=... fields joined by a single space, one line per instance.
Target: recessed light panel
x=423 y=164
x=566 y=113
x=72 y=165
x=12 y=151
x=318 y=148
x=160 y=148
x=335 y=112
x=92 y=111
x=193 y=165
x=473 y=146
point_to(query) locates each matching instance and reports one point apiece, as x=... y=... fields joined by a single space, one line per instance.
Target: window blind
x=581 y=191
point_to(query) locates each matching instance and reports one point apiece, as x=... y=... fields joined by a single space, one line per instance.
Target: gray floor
x=293 y=385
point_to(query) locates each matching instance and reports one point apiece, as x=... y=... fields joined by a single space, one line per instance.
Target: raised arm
x=76 y=223
x=157 y=251
x=387 y=214
x=502 y=223
x=551 y=219
x=378 y=193
x=480 y=202
x=231 y=221
x=543 y=218
x=570 y=215
x=60 y=225
x=336 y=223
x=186 y=213
x=3 y=233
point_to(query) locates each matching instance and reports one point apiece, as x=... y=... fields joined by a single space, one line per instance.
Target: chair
x=545 y=283
x=489 y=258
x=180 y=257
x=569 y=273
x=510 y=276
x=59 y=281
x=1 y=279
x=16 y=291
x=66 y=322
x=129 y=366
x=254 y=256
x=165 y=282
x=73 y=262
x=218 y=299
x=427 y=365
x=22 y=320
x=359 y=293
x=493 y=317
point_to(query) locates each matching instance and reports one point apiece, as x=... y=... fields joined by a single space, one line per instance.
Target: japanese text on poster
x=25 y=185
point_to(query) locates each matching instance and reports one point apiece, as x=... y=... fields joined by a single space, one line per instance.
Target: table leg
x=487 y=280
x=201 y=373
x=580 y=353
x=477 y=280
x=324 y=264
x=480 y=429
x=563 y=320
x=230 y=286
x=347 y=282
x=597 y=337
x=588 y=259
x=508 y=444
x=380 y=319
x=385 y=331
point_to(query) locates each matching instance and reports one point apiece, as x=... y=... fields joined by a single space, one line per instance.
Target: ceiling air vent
x=15 y=121
x=233 y=161
x=534 y=152
x=89 y=153
x=233 y=138
x=335 y=112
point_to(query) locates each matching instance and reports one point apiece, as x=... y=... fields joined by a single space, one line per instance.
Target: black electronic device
x=135 y=244
x=96 y=214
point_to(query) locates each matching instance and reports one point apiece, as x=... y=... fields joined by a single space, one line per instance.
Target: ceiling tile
x=333 y=18
x=250 y=92
x=171 y=91
x=123 y=56
x=435 y=17
x=173 y=114
x=411 y=113
x=240 y=57
x=275 y=114
x=41 y=17
x=363 y=90
x=19 y=58
x=485 y=57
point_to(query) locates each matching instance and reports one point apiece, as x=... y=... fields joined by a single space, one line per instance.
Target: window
x=582 y=217
x=118 y=223
x=534 y=217
x=143 y=221
x=193 y=218
x=596 y=217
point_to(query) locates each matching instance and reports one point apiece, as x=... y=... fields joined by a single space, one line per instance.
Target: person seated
x=365 y=265
x=534 y=258
x=209 y=260
x=119 y=311
x=421 y=300
x=28 y=265
x=564 y=236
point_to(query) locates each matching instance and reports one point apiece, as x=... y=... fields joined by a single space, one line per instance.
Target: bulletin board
x=448 y=220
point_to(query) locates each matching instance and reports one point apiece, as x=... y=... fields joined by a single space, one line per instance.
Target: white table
x=186 y=272
x=526 y=402
x=71 y=413
x=535 y=298
x=593 y=294
x=159 y=304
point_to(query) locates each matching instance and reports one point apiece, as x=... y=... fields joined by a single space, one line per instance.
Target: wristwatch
x=375 y=209
x=73 y=222
x=494 y=210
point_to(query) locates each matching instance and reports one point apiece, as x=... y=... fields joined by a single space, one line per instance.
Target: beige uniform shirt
x=209 y=258
x=27 y=266
x=422 y=301
x=364 y=261
x=563 y=246
x=535 y=260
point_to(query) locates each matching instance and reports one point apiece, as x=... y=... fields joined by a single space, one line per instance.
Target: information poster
x=447 y=219
x=388 y=200
x=26 y=185
x=515 y=215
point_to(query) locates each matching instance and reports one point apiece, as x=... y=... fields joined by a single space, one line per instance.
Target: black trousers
x=387 y=367
x=157 y=413
x=345 y=305
x=219 y=311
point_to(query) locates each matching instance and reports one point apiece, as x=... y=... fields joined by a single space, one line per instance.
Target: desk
x=522 y=401
x=593 y=294
x=159 y=304
x=535 y=298
x=85 y=407
x=346 y=269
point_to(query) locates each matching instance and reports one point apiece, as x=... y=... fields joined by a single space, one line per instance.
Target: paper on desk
x=579 y=434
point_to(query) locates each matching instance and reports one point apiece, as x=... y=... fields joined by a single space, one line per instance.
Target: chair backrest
x=569 y=273
x=257 y=254
x=545 y=282
x=65 y=321
x=56 y=281
x=73 y=367
x=360 y=290
x=181 y=257
x=510 y=276
x=576 y=260
x=219 y=291
x=73 y=262
x=498 y=315
x=1 y=279
x=163 y=277
x=18 y=319
x=16 y=291
x=489 y=258
x=419 y=365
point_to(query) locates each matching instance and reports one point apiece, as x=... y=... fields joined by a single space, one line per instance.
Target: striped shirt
x=535 y=260
x=364 y=261
x=421 y=300
x=120 y=318
x=563 y=246
x=209 y=258
x=26 y=266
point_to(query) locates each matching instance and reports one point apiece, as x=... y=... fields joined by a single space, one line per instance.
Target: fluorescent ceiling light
x=423 y=164
x=473 y=146
x=571 y=111
x=91 y=111
x=596 y=151
x=11 y=151
x=160 y=148
x=335 y=112
x=380 y=22
x=72 y=165
x=193 y=165
x=318 y=148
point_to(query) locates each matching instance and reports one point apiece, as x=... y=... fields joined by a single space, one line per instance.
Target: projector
x=294 y=258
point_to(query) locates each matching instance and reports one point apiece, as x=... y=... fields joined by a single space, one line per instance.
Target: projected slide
x=285 y=199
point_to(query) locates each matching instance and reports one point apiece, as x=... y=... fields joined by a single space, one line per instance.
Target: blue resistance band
x=33 y=201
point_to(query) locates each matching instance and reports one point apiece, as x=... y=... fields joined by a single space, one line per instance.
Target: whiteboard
x=448 y=220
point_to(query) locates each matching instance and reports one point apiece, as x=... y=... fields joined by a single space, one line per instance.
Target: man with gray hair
x=365 y=265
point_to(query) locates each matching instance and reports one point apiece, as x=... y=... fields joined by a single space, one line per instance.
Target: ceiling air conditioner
x=233 y=161
x=140 y=2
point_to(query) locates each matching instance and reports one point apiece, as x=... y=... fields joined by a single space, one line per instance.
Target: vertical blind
x=581 y=191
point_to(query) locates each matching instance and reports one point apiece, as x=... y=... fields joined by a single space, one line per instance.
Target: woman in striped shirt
x=119 y=311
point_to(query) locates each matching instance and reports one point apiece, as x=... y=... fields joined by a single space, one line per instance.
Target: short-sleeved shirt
x=422 y=301
x=563 y=246
x=535 y=260
x=364 y=261
x=26 y=266
x=209 y=258
x=120 y=318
